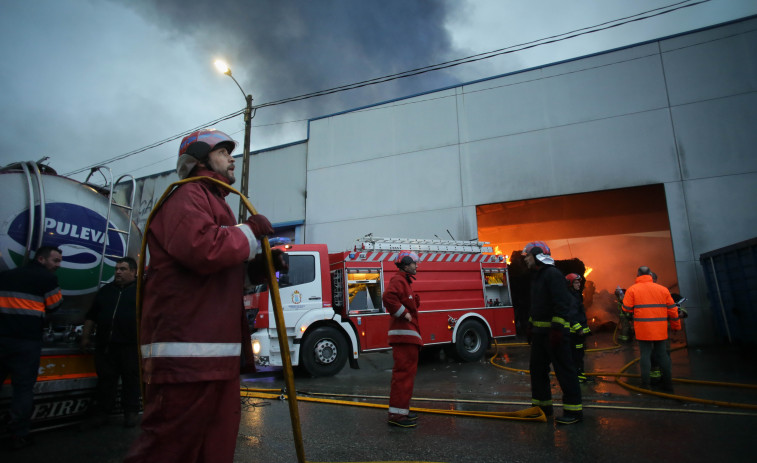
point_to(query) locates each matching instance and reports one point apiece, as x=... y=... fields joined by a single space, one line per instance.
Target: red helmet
x=572 y=276
x=405 y=258
x=200 y=143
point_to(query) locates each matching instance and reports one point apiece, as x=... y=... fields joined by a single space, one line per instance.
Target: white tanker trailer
x=39 y=207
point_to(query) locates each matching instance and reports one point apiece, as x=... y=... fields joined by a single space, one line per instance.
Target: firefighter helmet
x=405 y=258
x=201 y=142
x=572 y=277
x=196 y=147
x=540 y=251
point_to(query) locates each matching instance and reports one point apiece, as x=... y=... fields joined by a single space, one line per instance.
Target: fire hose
x=273 y=284
x=621 y=374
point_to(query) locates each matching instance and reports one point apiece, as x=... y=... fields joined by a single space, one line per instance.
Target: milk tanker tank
x=39 y=207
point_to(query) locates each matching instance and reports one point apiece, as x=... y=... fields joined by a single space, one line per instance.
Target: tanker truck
x=91 y=222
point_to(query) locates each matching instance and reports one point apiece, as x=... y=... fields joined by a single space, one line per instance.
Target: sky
x=85 y=81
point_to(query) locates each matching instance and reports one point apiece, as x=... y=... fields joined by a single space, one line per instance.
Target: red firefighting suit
x=191 y=327
x=652 y=306
x=405 y=339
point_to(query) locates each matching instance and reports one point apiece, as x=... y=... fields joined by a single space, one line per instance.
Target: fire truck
x=333 y=310
x=93 y=227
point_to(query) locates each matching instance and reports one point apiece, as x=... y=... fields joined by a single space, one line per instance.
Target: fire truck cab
x=333 y=310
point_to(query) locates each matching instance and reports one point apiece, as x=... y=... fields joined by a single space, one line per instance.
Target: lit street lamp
x=224 y=68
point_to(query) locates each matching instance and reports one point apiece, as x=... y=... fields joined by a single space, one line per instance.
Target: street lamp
x=224 y=68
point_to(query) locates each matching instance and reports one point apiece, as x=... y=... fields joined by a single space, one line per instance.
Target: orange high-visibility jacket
x=652 y=307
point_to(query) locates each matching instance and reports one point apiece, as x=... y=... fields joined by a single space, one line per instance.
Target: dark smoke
x=293 y=48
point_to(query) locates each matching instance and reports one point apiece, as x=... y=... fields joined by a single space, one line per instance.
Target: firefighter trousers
x=403 y=377
x=578 y=348
x=657 y=350
x=19 y=358
x=189 y=423
x=544 y=353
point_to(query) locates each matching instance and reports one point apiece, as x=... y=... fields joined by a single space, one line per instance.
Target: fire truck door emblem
x=296 y=297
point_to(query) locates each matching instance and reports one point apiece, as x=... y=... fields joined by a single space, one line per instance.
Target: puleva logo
x=79 y=232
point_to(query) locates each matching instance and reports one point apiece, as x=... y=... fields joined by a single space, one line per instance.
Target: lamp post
x=224 y=68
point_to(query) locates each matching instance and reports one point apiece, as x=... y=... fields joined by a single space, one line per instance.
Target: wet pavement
x=619 y=425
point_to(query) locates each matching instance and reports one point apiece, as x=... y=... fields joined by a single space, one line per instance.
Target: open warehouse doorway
x=612 y=232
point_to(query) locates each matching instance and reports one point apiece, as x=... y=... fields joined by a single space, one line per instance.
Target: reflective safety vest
x=652 y=306
x=26 y=293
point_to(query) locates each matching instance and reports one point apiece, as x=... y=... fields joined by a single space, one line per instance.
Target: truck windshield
x=301 y=271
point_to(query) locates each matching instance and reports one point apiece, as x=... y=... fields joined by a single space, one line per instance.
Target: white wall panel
x=610 y=153
x=410 y=125
x=717 y=137
x=341 y=235
x=573 y=97
x=424 y=180
x=721 y=210
x=711 y=64
x=277 y=183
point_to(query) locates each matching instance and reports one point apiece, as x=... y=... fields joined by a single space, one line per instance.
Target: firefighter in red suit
x=404 y=337
x=193 y=331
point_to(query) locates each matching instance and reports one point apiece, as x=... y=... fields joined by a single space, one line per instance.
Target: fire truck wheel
x=324 y=352
x=471 y=342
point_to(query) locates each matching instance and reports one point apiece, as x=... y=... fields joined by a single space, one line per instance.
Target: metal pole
x=245 y=156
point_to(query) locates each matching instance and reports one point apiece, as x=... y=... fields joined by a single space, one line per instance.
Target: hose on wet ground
x=625 y=385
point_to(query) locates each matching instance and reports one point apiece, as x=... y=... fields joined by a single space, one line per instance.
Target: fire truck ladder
x=129 y=206
x=374 y=243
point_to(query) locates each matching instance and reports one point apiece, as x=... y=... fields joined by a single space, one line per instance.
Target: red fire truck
x=333 y=311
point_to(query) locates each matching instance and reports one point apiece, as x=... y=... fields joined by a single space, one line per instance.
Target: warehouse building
x=645 y=155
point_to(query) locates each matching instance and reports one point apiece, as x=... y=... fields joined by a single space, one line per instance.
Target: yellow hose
x=625 y=385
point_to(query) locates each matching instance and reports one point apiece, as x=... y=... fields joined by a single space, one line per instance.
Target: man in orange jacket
x=652 y=307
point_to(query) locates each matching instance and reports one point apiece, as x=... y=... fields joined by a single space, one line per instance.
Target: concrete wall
x=680 y=112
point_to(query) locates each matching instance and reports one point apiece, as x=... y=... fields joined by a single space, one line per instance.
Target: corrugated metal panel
x=731 y=276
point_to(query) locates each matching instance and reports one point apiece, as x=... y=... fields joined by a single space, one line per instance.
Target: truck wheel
x=472 y=341
x=324 y=352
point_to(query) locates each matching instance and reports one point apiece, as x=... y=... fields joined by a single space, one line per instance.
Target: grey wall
x=680 y=112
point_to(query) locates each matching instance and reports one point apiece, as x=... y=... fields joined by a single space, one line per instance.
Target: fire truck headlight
x=256 y=347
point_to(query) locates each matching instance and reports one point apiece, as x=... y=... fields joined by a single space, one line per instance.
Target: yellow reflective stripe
x=572 y=408
x=542 y=403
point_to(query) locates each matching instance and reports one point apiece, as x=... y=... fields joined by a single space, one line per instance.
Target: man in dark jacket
x=114 y=312
x=553 y=312
x=26 y=294
x=193 y=326
x=578 y=333
x=404 y=337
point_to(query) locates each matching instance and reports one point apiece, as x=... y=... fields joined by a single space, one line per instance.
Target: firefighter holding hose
x=194 y=333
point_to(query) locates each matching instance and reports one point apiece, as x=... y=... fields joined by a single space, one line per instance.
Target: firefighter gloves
x=260 y=225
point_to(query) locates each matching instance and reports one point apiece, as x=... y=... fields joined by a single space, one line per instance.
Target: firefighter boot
x=570 y=418
x=401 y=421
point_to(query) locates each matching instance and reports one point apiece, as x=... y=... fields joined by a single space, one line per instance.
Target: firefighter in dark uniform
x=552 y=313
x=578 y=333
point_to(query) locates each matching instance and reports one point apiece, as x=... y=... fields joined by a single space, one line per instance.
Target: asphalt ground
x=619 y=425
